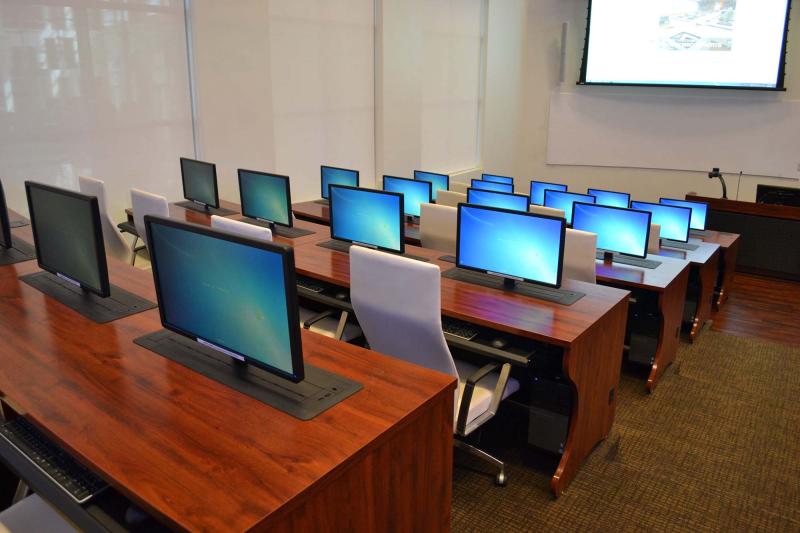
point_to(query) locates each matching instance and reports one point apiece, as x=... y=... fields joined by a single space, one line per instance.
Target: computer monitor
x=504 y=200
x=674 y=220
x=538 y=188
x=497 y=179
x=415 y=192
x=265 y=197
x=620 y=230
x=229 y=293
x=367 y=217
x=337 y=176
x=200 y=182
x=5 y=226
x=565 y=200
x=491 y=186
x=511 y=245
x=699 y=211
x=68 y=237
x=612 y=198
x=439 y=182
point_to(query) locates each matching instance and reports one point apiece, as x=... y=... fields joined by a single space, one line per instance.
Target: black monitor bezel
x=322 y=179
x=530 y=188
x=104 y=290
x=430 y=190
x=215 y=205
x=290 y=285
x=688 y=228
x=6 y=240
x=527 y=198
x=569 y=218
x=473 y=180
x=445 y=176
x=271 y=175
x=647 y=233
x=705 y=219
x=502 y=275
x=367 y=244
x=483 y=178
x=612 y=192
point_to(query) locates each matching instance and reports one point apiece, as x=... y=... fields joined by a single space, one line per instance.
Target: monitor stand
x=678 y=245
x=611 y=257
x=323 y=201
x=277 y=229
x=207 y=209
x=318 y=392
x=20 y=251
x=18 y=223
x=120 y=304
x=342 y=246
x=548 y=294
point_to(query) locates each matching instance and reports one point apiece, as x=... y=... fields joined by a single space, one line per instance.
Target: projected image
x=698 y=25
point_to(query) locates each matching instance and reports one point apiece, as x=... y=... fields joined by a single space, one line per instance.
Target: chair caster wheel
x=500 y=479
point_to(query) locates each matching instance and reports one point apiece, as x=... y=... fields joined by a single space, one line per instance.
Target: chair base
x=500 y=479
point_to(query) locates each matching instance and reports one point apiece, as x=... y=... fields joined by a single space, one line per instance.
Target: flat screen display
x=614 y=199
x=624 y=231
x=5 y=226
x=503 y=200
x=337 y=176
x=564 y=200
x=265 y=196
x=235 y=293
x=699 y=211
x=68 y=236
x=365 y=216
x=492 y=186
x=200 y=181
x=690 y=43
x=440 y=182
x=497 y=179
x=674 y=220
x=538 y=188
x=509 y=243
x=415 y=192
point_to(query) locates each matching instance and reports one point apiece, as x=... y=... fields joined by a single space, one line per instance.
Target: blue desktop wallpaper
x=229 y=294
x=564 y=200
x=438 y=181
x=618 y=230
x=264 y=196
x=497 y=179
x=674 y=220
x=494 y=199
x=699 y=211
x=518 y=245
x=538 y=188
x=199 y=181
x=614 y=199
x=414 y=192
x=492 y=186
x=337 y=176
x=370 y=217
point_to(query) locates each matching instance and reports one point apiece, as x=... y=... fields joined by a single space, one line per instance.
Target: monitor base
x=625 y=260
x=120 y=304
x=18 y=223
x=342 y=246
x=219 y=211
x=318 y=392
x=549 y=294
x=678 y=245
x=20 y=251
x=277 y=229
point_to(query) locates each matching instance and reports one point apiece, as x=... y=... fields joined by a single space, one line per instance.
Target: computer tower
x=549 y=413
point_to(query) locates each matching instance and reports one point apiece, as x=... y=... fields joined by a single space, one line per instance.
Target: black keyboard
x=309 y=285
x=677 y=245
x=59 y=466
x=458 y=328
x=633 y=261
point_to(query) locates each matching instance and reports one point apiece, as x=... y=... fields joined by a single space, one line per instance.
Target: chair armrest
x=469 y=387
x=316 y=318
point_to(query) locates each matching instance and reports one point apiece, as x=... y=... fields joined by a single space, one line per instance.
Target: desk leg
x=593 y=365
x=670 y=306
x=707 y=275
x=728 y=268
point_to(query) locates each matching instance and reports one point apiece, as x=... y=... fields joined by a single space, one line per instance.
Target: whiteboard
x=757 y=134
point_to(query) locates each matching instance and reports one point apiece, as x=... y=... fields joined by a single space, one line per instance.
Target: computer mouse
x=499 y=343
x=341 y=295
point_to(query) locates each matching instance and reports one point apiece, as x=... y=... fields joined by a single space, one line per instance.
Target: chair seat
x=327 y=326
x=482 y=394
x=33 y=514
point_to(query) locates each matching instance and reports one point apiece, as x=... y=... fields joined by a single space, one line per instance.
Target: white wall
x=517 y=102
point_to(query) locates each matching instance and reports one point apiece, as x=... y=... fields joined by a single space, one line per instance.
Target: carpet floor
x=716 y=447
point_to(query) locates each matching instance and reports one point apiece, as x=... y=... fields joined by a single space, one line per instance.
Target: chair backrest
x=438 y=226
x=654 y=240
x=145 y=203
x=450 y=198
x=397 y=302
x=579 y=255
x=548 y=211
x=244 y=229
x=115 y=244
x=456 y=186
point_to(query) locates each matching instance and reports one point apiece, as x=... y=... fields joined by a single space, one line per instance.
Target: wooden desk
x=729 y=252
x=667 y=284
x=702 y=280
x=199 y=456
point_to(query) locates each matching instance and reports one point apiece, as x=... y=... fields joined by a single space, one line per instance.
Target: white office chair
x=438 y=226
x=456 y=186
x=654 y=240
x=33 y=514
x=323 y=323
x=115 y=243
x=398 y=303
x=145 y=203
x=450 y=198
x=579 y=255
x=548 y=211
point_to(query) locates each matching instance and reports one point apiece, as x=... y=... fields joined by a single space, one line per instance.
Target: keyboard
x=677 y=245
x=458 y=328
x=77 y=481
x=633 y=261
x=309 y=285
